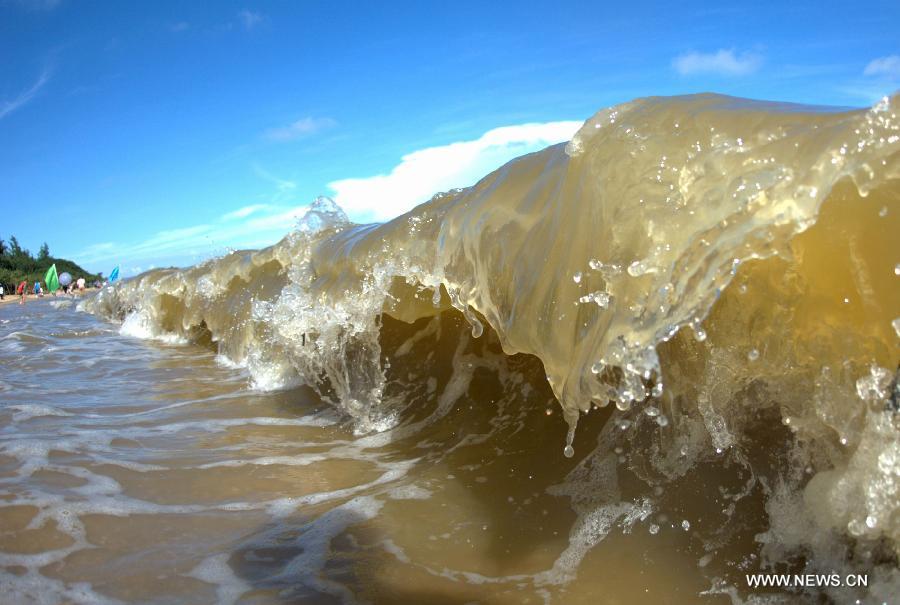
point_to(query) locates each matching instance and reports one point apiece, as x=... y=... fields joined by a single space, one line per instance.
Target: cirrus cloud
x=250 y=19
x=884 y=66
x=303 y=127
x=7 y=107
x=723 y=62
x=244 y=212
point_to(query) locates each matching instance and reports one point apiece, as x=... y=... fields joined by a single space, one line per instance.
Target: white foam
x=32 y=588
x=139 y=324
x=226 y=362
x=285 y=506
x=298 y=460
x=316 y=543
x=215 y=570
x=28 y=411
x=410 y=492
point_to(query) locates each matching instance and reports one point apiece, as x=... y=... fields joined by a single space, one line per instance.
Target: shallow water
x=630 y=369
x=149 y=472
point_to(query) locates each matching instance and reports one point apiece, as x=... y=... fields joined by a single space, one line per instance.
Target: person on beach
x=38 y=291
x=2 y=294
x=23 y=290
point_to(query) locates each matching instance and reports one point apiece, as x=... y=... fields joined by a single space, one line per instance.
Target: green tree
x=44 y=252
x=2 y=246
x=14 y=248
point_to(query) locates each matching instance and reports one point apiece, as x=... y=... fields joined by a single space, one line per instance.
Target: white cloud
x=280 y=183
x=249 y=18
x=722 y=62
x=884 y=66
x=285 y=189
x=303 y=127
x=251 y=226
x=421 y=174
x=7 y=107
x=415 y=179
x=244 y=212
x=278 y=221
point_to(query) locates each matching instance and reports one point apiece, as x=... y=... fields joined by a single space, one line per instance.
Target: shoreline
x=31 y=297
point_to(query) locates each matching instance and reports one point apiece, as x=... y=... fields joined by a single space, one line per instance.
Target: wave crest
x=768 y=230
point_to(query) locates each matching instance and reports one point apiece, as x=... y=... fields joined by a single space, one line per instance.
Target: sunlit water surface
x=141 y=471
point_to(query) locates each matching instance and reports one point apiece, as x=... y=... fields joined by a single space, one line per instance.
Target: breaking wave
x=725 y=273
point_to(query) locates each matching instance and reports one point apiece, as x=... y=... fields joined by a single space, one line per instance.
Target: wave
x=708 y=265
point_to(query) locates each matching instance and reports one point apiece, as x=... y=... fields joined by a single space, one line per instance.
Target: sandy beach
x=11 y=298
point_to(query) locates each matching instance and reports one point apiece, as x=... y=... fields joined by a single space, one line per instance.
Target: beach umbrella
x=65 y=279
x=51 y=279
x=114 y=275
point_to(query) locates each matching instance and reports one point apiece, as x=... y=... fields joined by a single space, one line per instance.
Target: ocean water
x=633 y=368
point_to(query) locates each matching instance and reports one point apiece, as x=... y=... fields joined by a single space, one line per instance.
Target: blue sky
x=149 y=134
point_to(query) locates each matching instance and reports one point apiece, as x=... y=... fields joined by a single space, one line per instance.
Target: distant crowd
x=23 y=290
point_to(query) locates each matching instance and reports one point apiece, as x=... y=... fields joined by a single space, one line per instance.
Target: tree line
x=17 y=264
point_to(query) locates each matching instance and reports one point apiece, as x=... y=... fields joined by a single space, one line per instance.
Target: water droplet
x=597 y=367
x=601 y=298
x=896 y=324
x=654 y=528
x=685 y=525
x=651 y=411
x=871 y=522
x=577 y=277
x=568 y=451
x=876 y=386
x=661 y=420
x=640 y=267
x=753 y=355
x=699 y=333
x=897 y=269
x=575 y=147
x=883 y=212
x=856 y=528
x=477 y=329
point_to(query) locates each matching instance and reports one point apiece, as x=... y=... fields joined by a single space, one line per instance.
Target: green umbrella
x=51 y=279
